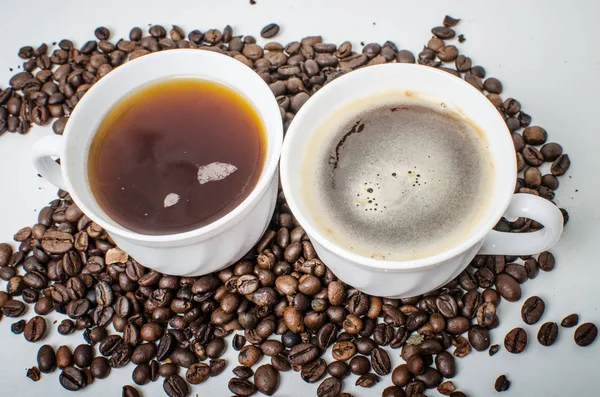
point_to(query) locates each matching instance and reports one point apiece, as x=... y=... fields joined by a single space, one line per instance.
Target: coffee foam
x=397 y=177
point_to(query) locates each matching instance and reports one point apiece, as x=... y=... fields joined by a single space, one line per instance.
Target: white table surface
x=544 y=52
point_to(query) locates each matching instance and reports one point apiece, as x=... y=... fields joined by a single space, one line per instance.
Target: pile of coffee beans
x=280 y=301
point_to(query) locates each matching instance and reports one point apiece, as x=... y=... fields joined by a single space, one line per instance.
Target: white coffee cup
x=415 y=277
x=204 y=250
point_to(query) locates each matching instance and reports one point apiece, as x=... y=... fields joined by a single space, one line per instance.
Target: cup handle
x=43 y=149
x=517 y=244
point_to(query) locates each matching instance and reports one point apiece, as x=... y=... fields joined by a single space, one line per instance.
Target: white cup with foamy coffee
x=399 y=172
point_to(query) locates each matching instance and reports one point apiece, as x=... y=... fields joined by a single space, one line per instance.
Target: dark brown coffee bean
x=551 y=151
x=359 y=365
x=547 y=334
x=313 y=372
x=535 y=135
x=393 y=391
x=502 y=383
x=141 y=374
x=183 y=357
x=46 y=359
x=100 y=368
x=380 y=361
x=243 y=372
x=508 y=287
x=269 y=31
x=532 y=310
x=143 y=353
x=492 y=85
x=35 y=329
x=515 y=341
x=443 y=32
x=130 y=391
x=570 y=321
x=405 y=56
x=479 y=337
x=367 y=380
x=176 y=386
x=83 y=355
x=241 y=387
x=532 y=157
x=585 y=334
x=560 y=165
x=197 y=373
x=444 y=363
x=546 y=261
x=330 y=387
x=72 y=379
x=266 y=379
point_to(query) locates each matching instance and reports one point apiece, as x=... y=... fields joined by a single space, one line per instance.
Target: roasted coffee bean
x=330 y=387
x=18 y=327
x=241 y=387
x=168 y=369
x=217 y=366
x=313 y=372
x=359 y=365
x=46 y=359
x=143 y=353
x=197 y=373
x=64 y=357
x=100 y=368
x=443 y=32
x=393 y=391
x=570 y=321
x=343 y=350
x=239 y=341
x=83 y=355
x=72 y=379
x=479 y=337
x=515 y=341
x=444 y=362
x=130 y=391
x=303 y=353
x=560 y=165
x=547 y=334
x=532 y=310
x=585 y=334
x=493 y=350
x=405 y=56
x=141 y=374
x=269 y=31
x=367 y=380
x=430 y=378
x=35 y=329
x=532 y=157
x=266 y=379
x=546 y=261
x=380 y=361
x=361 y=345
x=508 y=287
x=176 y=386
x=502 y=383
x=401 y=375
x=551 y=151
x=249 y=355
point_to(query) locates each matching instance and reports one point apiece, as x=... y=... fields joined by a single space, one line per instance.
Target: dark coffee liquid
x=398 y=178
x=176 y=155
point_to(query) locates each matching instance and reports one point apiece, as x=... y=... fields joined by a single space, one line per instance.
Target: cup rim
x=497 y=207
x=274 y=146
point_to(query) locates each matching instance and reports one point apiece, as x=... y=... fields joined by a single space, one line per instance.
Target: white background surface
x=544 y=52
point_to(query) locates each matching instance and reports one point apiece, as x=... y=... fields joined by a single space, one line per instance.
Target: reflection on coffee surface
x=398 y=177
x=176 y=155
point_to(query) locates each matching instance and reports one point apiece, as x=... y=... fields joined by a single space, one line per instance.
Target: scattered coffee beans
x=281 y=288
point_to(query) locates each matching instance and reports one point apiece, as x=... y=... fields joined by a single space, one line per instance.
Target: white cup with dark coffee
x=398 y=173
